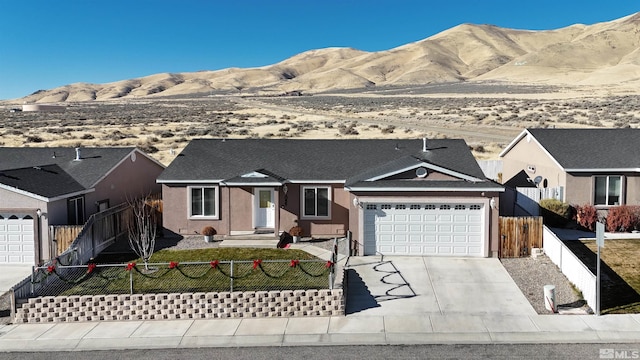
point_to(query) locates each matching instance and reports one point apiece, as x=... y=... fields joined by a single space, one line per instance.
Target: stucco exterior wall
x=525 y=155
x=633 y=189
x=236 y=211
x=580 y=188
x=241 y=208
x=175 y=217
x=131 y=179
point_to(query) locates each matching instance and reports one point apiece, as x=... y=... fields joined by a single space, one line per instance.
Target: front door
x=264 y=208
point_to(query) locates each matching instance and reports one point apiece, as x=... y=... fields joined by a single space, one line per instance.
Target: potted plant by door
x=208 y=233
x=296 y=233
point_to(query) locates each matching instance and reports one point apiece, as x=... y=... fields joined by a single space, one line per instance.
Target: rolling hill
x=605 y=53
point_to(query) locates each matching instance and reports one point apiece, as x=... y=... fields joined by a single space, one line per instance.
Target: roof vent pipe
x=78 y=157
x=424 y=144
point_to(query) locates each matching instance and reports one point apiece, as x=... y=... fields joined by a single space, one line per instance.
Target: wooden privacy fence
x=518 y=235
x=63 y=236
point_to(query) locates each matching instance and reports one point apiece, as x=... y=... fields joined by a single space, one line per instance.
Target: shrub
x=587 y=216
x=295 y=231
x=555 y=213
x=622 y=218
x=147 y=147
x=556 y=206
x=34 y=139
x=208 y=231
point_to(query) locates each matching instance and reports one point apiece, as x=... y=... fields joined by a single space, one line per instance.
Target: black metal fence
x=67 y=275
x=99 y=232
x=173 y=277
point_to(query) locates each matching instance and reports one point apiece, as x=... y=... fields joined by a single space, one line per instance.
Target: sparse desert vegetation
x=484 y=116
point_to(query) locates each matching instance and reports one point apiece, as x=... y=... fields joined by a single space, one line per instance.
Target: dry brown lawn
x=620 y=269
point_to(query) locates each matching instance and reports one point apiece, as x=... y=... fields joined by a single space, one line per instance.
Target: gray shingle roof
x=591 y=148
x=311 y=160
x=94 y=164
x=39 y=179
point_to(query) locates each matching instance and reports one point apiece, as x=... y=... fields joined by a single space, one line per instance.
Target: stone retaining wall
x=249 y=304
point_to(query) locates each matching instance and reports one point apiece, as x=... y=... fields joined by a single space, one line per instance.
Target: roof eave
x=231 y=183
x=215 y=181
x=44 y=198
x=425 y=189
x=603 y=170
x=428 y=166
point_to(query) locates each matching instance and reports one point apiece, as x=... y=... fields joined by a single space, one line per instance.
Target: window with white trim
x=316 y=201
x=203 y=202
x=607 y=190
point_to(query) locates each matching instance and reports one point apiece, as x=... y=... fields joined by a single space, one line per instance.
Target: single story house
x=40 y=187
x=600 y=167
x=413 y=197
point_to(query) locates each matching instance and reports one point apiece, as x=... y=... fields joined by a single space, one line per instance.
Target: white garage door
x=16 y=240
x=424 y=229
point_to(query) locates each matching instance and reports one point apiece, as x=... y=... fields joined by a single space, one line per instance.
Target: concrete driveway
x=419 y=286
x=11 y=275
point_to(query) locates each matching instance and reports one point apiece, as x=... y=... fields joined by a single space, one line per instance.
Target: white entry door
x=264 y=208
x=17 y=236
x=424 y=229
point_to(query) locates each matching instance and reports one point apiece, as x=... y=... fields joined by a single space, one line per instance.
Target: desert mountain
x=601 y=54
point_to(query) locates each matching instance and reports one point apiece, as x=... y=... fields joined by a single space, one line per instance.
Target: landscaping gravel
x=532 y=274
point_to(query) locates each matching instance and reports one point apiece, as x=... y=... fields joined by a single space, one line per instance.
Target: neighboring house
x=600 y=167
x=40 y=187
x=395 y=196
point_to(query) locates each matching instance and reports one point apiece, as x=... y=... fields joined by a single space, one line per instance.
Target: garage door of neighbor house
x=424 y=229
x=17 y=239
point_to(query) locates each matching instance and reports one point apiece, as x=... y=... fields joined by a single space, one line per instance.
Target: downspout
x=228 y=210
x=38 y=240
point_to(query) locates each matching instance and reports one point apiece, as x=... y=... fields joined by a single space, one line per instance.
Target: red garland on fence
x=295 y=263
x=173 y=265
x=130 y=266
x=329 y=263
x=51 y=269
x=256 y=263
x=214 y=264
x=90 y=267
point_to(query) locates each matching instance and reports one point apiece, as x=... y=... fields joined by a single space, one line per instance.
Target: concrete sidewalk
x=373 y=326
x=349 y=330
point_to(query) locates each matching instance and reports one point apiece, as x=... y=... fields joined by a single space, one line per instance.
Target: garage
x=439 y=229
x=17 y=237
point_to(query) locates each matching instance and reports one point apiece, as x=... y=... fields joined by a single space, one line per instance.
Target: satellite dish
x=537 y=180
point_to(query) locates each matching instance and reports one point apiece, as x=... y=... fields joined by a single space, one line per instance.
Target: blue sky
x=47 y=43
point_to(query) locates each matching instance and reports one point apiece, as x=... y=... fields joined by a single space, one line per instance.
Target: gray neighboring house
x=40 y=187
x=599 y=167
x=409 y=197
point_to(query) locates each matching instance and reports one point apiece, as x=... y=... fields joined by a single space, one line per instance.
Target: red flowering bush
x=623 y=218
x=587 y=216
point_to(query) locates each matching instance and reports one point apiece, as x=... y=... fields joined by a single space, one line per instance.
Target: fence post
x=231 y=278
x=33 y=278
x=14 y=304
x=131 y=282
